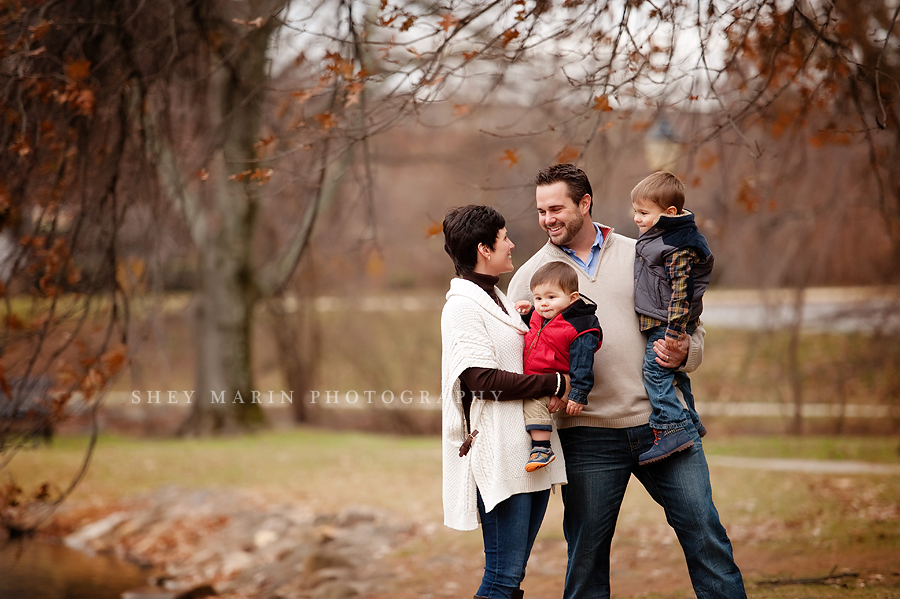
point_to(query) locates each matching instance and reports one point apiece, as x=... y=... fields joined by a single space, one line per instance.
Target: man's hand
x=523 y=306
x=573 y=408
x=671 y=358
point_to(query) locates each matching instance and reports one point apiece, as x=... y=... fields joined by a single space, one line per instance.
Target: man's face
x=558 y=215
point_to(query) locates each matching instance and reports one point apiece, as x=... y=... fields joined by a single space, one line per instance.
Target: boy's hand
x=674 y=345
x=573 y=408
x=523 y=306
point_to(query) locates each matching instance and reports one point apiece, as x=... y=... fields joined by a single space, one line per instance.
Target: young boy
x=671 y=271
x=563 y=336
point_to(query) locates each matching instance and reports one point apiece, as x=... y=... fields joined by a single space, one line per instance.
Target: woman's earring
x=489 y=256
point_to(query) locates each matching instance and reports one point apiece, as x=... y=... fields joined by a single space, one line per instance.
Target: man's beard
x=570 y=230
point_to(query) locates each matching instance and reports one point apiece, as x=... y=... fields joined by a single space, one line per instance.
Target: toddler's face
x=646 y=213
x=550 y=299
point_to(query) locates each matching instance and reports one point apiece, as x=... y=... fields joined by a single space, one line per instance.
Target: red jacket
x=547 y=344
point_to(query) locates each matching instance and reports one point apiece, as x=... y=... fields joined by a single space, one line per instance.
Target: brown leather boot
x=518 y=594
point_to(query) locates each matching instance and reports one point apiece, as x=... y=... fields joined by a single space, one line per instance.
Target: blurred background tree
x=249 y=138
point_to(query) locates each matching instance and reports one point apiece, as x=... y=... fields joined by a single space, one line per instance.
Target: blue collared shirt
x=591 y=266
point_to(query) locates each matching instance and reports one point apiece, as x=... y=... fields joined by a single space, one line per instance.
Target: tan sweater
x=618 y=399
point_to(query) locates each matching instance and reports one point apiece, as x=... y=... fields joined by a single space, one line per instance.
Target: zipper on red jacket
x=536 y=337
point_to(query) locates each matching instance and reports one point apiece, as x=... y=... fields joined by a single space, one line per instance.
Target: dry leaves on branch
x=257 y=22
x=259 y=175
x=602 y=103
x=511 y=156
x=448 y=22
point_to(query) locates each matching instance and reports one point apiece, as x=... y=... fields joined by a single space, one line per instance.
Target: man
x=602 y=444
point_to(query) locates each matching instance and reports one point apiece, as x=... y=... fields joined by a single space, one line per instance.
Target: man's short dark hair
x=556 y=273
x=464 y=229
x=575 y=179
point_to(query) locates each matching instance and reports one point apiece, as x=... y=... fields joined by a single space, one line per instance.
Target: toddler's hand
x=573 y=408
x=674 y=345
x=523 y=306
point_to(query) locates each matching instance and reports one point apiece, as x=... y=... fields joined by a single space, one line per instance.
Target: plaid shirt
x=678 y=268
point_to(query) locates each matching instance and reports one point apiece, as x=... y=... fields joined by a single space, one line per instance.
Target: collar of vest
x=665 y=222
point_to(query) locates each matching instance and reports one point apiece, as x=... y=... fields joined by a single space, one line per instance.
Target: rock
x=322 y=559
x=248 y=546
x=236 y=561
x=128 y=527
x=264 y=538
x=328 y=574
x=300 y=515
x=82 y=539
x=148 y=593
x=353 y=515
x=324 y=533
x=334 y=590
x=198 y=592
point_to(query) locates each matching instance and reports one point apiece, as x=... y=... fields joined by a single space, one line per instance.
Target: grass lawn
x=784 y=525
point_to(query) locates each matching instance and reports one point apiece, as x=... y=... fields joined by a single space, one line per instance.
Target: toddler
x=563 y=335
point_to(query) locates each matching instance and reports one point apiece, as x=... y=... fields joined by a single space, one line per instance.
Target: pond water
x=34 y=570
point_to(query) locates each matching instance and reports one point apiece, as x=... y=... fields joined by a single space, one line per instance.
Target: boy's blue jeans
x=509 y=531
x=599 y=464
x=659 y=381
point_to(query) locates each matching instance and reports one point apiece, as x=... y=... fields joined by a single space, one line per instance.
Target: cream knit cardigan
x=476 y=333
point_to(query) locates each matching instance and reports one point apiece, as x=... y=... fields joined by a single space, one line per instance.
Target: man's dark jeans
x=599 y=464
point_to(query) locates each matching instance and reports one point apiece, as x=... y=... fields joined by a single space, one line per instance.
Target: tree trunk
x=795 y=363
x=296 y=332
x=228 y=291
x=223 y=325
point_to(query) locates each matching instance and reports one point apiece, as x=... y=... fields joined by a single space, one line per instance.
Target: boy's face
x=550 y=299
x=646 y=213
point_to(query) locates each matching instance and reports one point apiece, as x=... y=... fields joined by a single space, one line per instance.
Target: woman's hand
x=671 y=358
x=523 y=306
x=556 y=403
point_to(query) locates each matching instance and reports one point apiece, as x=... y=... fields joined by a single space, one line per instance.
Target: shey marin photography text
x=315 y=396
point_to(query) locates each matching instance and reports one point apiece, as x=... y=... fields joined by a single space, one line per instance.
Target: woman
x=482 y=387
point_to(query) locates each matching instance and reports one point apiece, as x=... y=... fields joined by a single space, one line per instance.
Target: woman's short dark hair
x=576 y=181
x=464 y=229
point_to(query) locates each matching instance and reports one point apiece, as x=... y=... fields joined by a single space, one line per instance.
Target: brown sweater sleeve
x=503 y=385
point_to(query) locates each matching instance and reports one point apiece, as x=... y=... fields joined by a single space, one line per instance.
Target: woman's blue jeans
x=599 y=464
x=509 y=531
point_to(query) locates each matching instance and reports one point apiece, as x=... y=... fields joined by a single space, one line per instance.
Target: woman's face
x=501 y=255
